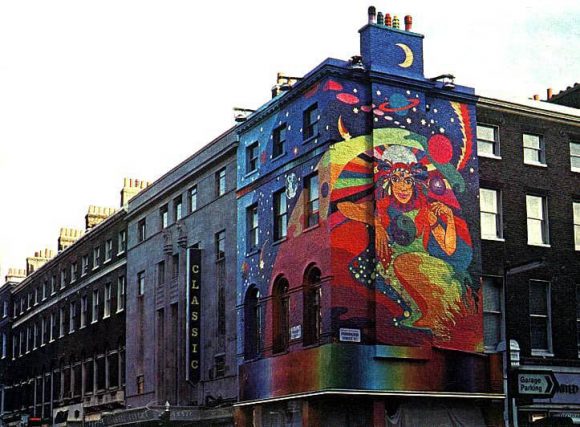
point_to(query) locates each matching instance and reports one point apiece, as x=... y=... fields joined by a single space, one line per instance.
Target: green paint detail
x=389 y=136
x=352 y=182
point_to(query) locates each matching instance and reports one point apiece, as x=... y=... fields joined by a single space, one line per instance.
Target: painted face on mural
x=402 y=185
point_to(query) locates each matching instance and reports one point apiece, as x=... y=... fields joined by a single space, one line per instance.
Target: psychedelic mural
x=397 y=221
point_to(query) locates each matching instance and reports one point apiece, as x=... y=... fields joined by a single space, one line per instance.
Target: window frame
x=497 y=282
x=164 y=216
x=544 y=222
x=74 y=271
x=576 y=224
x=548 y=316
x=252 y=157
x=220 y=182
x=193 y=199
x=107 y=300
x=108 y=250
x=177 y=208
x=121 y=242
x=279 y=141
x=252 y=228
x=84 y=315
x=141 y=230
x=309 y=213
x=96 y=257
x=574 y=156
x=121 y=293
x=498 y=215
x=141 y=283
x=495 y=143
x=95 y=303
x=540 y=151
x=84 y=265
x=72 y=316
x=280 y=215
x=310 y=127
x=220 y=250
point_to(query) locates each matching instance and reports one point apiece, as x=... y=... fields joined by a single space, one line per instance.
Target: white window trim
x=549 y=352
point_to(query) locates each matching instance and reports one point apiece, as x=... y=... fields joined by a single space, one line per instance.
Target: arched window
x=311 y=309
x=280 y=319
x=252 y=324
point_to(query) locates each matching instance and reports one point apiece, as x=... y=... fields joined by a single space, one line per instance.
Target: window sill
x=107 y=261
x=489 y=156
x=312 y=227
x=120 y=311
x=310 y=139
x=93 y=322
x=121 y=252
x=279 y=241
x=540 y=245
x=251 y=252
x=541 y=165
x=493 y=239
x=95 y=268
x=106 y=317
x=575 y=170
x=249 y=174
x=278 y=157
x=542 y=353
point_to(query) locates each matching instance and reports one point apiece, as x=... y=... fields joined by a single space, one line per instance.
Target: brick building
x=529 y=157
x=66 y=361
x=184 y=220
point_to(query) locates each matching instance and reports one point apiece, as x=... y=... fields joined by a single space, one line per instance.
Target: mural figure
x=422 y=245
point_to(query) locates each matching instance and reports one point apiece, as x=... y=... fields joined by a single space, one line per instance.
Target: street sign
x=536 y=384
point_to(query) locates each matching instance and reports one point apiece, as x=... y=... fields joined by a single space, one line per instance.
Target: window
x=52 y=287
x=576 y=214
x=4 y=343
x=95 y=310
x=534 y=150
x=177 y=205
x=193 y=198
x=122 y=241
x=279 y=141
x=44 y=331
x=108 y=250
x=37 y=296
x=36 y=336
x=311 y=299
x=578 y=317
x=312 y=201
x=22 y=343
x=14 y=346
x=490 y=214
x=44 y=292
x=72 y=317
x=280 y=215
x=540 y=317
x=175 y=266
x=310 y=120
x=487 y=141
x=492 y=312
x=252 y=227
x=221 y=306
x=160 y=273
x=108 y=297
x=164 y=215
x=28 y=339
x=141 y=283
x=252 y=154
x=140 y=384
x=89 y=376
x=220 y=247
x=220 y=182
x=5 y=308
x=280 y=313
x=141 y=230
x=62 y=323
x=252 y=324
x=121 y=293
x=113 y=370
x=29 y=303
x=537 y=213
x=84 y=310
x=220 y=365
x=74 y=271
x=575 y=156
x=84 y=265
x=96 y=257
x=62 y=278
x=52 y=327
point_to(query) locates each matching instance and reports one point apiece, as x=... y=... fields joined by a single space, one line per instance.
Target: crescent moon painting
x=408 y=55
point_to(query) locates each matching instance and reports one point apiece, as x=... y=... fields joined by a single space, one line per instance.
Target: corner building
x=359 y=267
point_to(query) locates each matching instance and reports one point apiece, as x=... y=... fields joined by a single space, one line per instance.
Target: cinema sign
x=192 y=316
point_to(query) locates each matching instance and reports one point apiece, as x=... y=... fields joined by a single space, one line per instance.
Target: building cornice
x=530 y=111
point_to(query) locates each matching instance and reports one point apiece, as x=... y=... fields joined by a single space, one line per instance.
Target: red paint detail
x=413 y=102
x=366 y=108
x=378 y=112
x=440 y=148
x=347 y=98
x=332 y=85
x=468 y=134
x=312 y=91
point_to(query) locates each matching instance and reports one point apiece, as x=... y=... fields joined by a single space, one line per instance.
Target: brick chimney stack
x=67 y=237
x=15 y=275
x=96 y=215
x=39 y=258
x=130 y=189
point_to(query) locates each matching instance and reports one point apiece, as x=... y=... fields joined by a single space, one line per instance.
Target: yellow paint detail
x=408 y=55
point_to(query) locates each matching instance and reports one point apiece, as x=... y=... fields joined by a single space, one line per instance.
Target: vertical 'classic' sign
x=193 y=315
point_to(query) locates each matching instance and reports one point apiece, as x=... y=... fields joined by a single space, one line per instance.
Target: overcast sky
x=91 y=92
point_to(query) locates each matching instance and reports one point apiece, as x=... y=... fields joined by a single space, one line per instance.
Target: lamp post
x=512 y=348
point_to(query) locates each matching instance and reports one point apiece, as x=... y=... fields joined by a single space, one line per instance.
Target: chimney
x=15 y=275
x=372 y=15
x=283 y=84
x=40 y=258
x=408 y=22
x=96 y=215
x=67 y=237
x=130 y=189
x=536 y=97
x=549 y=93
